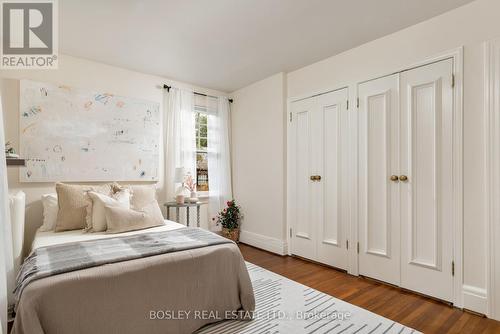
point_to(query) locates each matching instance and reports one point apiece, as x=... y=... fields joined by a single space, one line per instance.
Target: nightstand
x=178 y=206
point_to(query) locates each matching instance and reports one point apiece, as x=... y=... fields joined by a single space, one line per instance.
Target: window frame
x=199 y=111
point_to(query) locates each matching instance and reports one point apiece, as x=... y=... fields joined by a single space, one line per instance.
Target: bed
x=176 y=292
x=43 y=239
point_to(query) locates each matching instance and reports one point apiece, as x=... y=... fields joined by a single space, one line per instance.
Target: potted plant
x=9 y=151
x=229 y=219
x=190 y=185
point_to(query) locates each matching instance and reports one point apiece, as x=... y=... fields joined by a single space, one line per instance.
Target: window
x=201 y=152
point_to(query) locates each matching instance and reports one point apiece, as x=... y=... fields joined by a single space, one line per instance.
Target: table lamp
x=180 y=174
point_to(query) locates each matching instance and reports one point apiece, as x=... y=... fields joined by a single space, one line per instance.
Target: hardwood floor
x=419 y=312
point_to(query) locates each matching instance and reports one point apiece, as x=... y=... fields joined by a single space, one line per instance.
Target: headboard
x=17 y=203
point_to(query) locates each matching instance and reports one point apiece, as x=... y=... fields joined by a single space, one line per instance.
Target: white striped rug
x=288 y=307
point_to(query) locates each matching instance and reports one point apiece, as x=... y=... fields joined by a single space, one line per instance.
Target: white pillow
x=123 y=220
x=50 y=209
x=98 y=217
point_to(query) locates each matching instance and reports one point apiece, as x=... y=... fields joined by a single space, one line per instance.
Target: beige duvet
x=192 y=288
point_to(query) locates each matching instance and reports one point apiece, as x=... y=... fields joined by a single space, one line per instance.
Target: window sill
x=203 y=196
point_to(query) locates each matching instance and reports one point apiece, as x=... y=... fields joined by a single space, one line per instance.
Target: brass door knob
x=318 y=177
x=313 y=177
x=403 y=178
x=394 y=178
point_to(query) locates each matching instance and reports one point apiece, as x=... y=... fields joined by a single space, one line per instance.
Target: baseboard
x=269 y=244
x=475 y=299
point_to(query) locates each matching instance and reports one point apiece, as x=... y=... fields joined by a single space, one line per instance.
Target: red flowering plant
x=229 y=217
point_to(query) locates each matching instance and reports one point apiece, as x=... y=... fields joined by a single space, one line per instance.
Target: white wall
x=467 y=26
x=79 y=73
x=258 y=161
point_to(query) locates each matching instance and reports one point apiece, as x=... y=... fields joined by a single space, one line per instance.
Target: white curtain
x=179 y=136
x=219 y=157
x=6 y=260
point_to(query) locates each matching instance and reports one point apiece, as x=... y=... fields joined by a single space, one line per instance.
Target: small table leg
x=198 y=215
x=187 y=216
x=168 y=212
x=177 y=215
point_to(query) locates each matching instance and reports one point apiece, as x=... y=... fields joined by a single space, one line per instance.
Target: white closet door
x=426 y=195
x=303 y=241
x=379 y=222
x=332 y=165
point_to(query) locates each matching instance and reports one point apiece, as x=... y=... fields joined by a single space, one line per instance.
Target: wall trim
x=492 y=173
x=458 y=178
x=264 y=242
x=475 y=299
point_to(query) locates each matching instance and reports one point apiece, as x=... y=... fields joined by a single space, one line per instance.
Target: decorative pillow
x=121 y=219
x=73 y=201
x=96 y=216
x=141 y=195
x=50 y=209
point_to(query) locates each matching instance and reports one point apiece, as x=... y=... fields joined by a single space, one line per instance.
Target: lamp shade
x=180 y=174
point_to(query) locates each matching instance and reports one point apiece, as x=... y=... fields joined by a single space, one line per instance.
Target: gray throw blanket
x=58 y=259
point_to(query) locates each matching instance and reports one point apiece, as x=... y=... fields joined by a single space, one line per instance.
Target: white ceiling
x=228 y=44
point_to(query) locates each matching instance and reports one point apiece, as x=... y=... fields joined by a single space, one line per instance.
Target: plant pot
x=231 y=234
x=193 y=197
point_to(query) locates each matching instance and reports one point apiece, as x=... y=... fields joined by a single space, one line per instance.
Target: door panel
x=303 y=229
x=331 y=150
x=426 y=198
x=321 y=208
x=425 y=111
x=379 y=228
x=332 y=167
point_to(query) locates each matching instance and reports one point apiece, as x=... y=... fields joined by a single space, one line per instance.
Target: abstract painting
x=69 y=134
